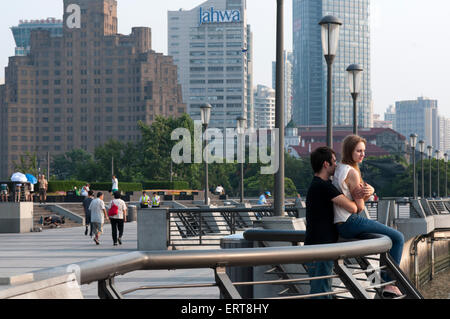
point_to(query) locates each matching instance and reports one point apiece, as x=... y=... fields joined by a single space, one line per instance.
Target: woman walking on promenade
x=347 y=178
x=117 y=217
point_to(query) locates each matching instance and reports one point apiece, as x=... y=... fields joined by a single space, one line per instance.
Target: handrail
x=108 y=267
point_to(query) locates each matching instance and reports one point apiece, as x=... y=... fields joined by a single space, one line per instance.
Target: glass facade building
x=310 y=69
x=22 y=32
x=211 y=45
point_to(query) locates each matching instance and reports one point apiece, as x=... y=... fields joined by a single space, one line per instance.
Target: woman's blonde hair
x=348 y=146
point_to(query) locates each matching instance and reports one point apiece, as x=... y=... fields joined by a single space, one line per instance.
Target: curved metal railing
x=104 y=270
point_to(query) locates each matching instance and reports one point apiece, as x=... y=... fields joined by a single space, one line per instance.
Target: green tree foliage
x=27 y=164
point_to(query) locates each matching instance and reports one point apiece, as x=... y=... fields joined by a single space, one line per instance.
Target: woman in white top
x=117 y=221
x=347 y=178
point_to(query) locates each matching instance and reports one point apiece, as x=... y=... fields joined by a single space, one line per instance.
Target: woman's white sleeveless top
x=340 y=214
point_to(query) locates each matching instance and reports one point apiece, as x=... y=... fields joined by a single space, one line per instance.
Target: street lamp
x=422 y=150
x=413 y=142
x=205 y=117
x=330 y=38
x=354 y=81
x=241 y=124
x=430 y=152
x=446 y=176
x=278 y=199
x=437 y=159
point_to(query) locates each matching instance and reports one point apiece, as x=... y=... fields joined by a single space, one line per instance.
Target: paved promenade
x=23 y=253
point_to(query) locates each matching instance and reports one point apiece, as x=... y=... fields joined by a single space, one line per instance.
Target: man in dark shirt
x=86 y=202
x=320 y=227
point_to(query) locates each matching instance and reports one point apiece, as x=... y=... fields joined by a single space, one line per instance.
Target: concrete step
x=40 y=211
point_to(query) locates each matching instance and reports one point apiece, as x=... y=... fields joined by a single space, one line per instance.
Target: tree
x=27 y=164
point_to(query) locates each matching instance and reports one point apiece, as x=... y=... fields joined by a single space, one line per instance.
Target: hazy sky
x=410 y=47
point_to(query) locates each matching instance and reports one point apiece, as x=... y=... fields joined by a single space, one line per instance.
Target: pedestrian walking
x=156 y=200
x=115 y=184
x=117 y=212
x=4 y=190
x=98 y=216
x=144 y=200
x=86 y=203
x=43 y=186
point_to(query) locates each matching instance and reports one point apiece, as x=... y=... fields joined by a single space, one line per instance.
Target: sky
x=410 y=46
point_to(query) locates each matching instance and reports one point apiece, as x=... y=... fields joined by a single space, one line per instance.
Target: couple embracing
x=333 y=208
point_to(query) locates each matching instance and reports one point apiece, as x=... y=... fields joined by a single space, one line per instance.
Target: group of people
x=25 y=189
x=335 y=200
x=97 y=212
x=145 y=200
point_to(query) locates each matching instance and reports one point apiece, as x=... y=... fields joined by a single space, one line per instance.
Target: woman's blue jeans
x=357 y=225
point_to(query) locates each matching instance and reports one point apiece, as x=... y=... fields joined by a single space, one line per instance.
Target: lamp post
x=205 y=116
x=437 y=159
x=278 y=199
x=446 y=175
x=430 y=152
x=422 y=150
x=413 y=142
x=330 y=37
x=241 y=123
x=354 y=81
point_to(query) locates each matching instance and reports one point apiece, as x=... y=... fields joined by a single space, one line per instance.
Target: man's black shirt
x=320 y=227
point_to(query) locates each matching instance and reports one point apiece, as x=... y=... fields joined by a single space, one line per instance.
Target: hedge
x=54 y=186
x=124 y=187
x=165 y=185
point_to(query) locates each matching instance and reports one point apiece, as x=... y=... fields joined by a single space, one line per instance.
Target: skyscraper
x=22 y=32
x=420 y=117
x=211 y=45
x=310 y=70
x=84 y=88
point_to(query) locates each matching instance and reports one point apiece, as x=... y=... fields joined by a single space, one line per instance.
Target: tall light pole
x=278 y=200
x=413 y=142
x=354 y=81
x=430 y=153
x=437 y=159
x=446 y=175
x=241 y=123
x=422 y=150
x=205 y=116
x=330 y=38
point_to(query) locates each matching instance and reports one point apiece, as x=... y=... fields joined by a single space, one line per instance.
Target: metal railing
x=206 y=226
x=105 y=270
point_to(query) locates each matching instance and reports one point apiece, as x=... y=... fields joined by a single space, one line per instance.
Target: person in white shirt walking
x=117 y=216
x=115 y=184
x=98 y=215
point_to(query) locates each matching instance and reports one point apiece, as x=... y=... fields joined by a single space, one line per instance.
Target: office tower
x=420 y=117
x=84 y=88
x=22 y=32
x=264 y=107
x=310 y=69
x=389 y=115
x=444 y=134
x=211 y=45
x=288 y=84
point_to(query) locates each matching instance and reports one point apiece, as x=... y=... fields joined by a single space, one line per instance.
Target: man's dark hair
x=91 y=192
x=320 y=156
x=117 y=195
x=99 y=194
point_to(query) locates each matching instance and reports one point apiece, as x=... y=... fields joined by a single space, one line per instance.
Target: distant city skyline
x=408 y=55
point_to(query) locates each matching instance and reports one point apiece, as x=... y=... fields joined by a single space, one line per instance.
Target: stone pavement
x=23 y=253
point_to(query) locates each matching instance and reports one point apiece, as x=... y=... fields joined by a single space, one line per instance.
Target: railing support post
x=107 y=289
x=357 y=291
x=226 y=287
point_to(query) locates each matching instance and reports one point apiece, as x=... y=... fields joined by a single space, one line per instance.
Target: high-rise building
x=420 y=117
x=310 y=69
x=389 y=115
x=84 y=88
x=211 y=45
x=264 y=107
x=288 y=84
x=444 y=134
x=22 y=32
